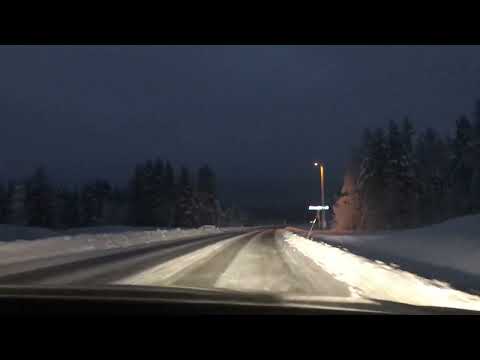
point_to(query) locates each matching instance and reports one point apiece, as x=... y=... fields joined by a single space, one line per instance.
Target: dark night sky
x=258 y=114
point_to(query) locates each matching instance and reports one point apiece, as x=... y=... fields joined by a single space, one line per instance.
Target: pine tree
x=170 y=193
x=209 y=206
x=40 y=200
x=372 y=183
x=149 y=195
x=187 y=209
x=475 y=184
x=4 y=204
x=135 y=192
x=102 y=190
x=347 y=206
x=462 y=168
x=141 y=203
x=69 y=205
x=93 y=199
x=116 y=207
x=206 y=180
x=17 y=195
x=432 y=158
x=160 y=211
x=393 y=172
x=169 y=181
x=88 y=205
x=475 y=190
x=142 y=189
x=407 y=136
x=408 y=181
x=476 y=117
x=184 y=180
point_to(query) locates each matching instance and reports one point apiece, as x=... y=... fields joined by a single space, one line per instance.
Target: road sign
x=317 y=208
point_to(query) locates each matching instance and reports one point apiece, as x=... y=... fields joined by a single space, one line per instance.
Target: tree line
x=155 y=196
x=399 y=179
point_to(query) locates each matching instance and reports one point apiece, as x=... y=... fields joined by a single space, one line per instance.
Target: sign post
x=322 y=190
x=318 y=208
x=311 y=228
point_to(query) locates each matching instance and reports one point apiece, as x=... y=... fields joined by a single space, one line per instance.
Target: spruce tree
x=206 y=180
x=40 y=200
x=159 y=202
x=170 y=193
x=393 y=171
x=372 y=183
x=462 y=168
x=184 y=180
x=407 y=177
x=475 y=183
x=4 y=204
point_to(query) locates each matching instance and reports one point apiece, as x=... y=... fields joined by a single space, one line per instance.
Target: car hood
x=285 y=303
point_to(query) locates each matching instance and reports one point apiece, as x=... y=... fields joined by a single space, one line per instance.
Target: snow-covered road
x=102 y=265
x=267 y=261
x=281 y=262
x=253 y=262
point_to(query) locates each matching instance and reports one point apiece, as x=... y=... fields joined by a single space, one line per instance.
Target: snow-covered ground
x=18 y=243
x=377 y=280
x=454 y=244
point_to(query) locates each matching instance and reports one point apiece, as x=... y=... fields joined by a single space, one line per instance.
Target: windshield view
x=319 y=176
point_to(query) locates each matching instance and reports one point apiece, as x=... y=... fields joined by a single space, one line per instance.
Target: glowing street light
x=322 y=189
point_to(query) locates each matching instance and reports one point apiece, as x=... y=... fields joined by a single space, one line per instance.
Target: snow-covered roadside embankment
x=454 y=243
x=376 y=280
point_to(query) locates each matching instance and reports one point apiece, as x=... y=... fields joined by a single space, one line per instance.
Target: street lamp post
x=322 y=189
